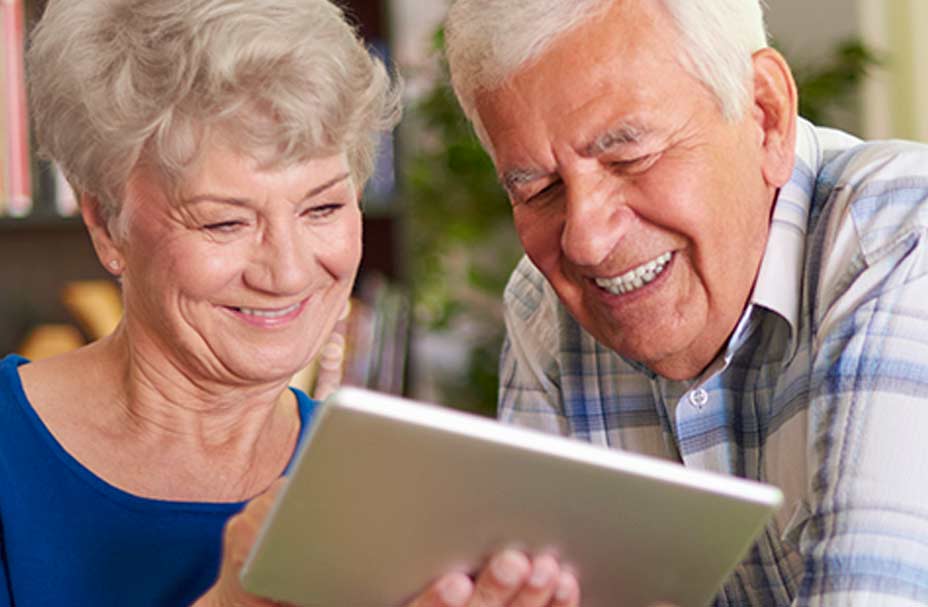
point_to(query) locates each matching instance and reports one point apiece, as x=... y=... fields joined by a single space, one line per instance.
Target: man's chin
x=664 y=355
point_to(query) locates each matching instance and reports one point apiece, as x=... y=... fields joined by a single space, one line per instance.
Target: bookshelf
x=43 y=250
x=38 y=258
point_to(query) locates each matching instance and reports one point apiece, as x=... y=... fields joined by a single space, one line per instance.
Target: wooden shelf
x=45 y=224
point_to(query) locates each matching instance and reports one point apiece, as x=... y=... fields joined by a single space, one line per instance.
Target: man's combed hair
x=489 y=40
x=117 y=82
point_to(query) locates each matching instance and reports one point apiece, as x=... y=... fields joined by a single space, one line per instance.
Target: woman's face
x=241 y=276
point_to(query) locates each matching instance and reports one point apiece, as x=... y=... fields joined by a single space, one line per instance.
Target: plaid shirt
x=822 y=389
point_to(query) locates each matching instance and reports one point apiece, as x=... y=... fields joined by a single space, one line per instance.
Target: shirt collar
x=778 y=287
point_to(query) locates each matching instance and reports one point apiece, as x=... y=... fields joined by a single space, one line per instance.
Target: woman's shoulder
x=11 y=389
x=18 y=418
x=10 y=364
x=53 y=393
x=36 y=379
x=61 y=377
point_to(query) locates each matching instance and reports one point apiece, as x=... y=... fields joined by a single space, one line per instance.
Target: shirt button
x=699 y=398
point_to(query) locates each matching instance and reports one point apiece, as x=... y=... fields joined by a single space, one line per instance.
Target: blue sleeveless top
x=69 y=538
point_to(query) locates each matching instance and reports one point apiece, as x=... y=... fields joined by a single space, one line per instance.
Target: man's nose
x=597 y=217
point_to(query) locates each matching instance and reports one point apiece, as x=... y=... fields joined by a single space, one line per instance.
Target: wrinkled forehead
x=598 y=85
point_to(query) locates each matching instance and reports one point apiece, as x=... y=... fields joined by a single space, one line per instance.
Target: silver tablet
x=387 y=494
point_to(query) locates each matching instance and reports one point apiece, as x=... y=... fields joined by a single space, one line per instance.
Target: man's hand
x=240 y=534
x=509 y=580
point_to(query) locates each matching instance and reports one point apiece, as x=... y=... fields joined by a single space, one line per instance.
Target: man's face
x=644 y=208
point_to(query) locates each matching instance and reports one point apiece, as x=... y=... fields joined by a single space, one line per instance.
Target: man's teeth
x=270 y=313
x=635 y=278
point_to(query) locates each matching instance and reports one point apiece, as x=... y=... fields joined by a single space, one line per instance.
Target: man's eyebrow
x=513 y=178
x=625 y=134
x=240 y=202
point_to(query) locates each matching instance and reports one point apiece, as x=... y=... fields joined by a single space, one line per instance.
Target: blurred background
x=426 y=318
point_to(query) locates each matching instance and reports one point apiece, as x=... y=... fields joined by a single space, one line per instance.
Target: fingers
x=242 y=530
x=501 y=580
x=548 y=585
x=567 y=592
x=509 y=580
x=541 y=585
x=452 y=590
x=239 y=535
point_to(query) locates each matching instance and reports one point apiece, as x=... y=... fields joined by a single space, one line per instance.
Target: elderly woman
x=218 y=148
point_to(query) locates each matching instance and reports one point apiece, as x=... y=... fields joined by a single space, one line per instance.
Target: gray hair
x=115 y=83
x=490 y=40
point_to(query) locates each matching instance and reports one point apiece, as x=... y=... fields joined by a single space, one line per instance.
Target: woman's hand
x=511 y=579
x=240 y=534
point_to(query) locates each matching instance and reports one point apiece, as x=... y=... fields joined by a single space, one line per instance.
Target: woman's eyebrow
x=328 y=184
x=208 y=197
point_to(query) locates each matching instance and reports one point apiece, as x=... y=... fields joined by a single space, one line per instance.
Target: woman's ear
x=108 y=247
x=775 y=109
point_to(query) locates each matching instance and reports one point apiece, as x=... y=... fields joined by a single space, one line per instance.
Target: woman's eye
x=223 y=226
x=322 y=210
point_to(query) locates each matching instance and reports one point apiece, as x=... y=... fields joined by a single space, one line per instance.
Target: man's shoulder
x=867 y=162
x=869 y=212
x=527 y=293
x=536 y=320
x=881 y=188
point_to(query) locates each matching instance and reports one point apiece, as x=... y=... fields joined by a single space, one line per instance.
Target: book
x=17 y=179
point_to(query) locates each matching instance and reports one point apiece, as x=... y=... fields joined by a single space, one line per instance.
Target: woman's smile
x=270 y=317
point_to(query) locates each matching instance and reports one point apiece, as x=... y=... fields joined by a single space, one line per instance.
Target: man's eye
x=545 y=193
x=638 y=163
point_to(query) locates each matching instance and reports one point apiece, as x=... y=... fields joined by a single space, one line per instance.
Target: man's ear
x=775 y=110
x=107 y=246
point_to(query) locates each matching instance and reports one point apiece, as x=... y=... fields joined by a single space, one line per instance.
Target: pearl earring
x=114 y=264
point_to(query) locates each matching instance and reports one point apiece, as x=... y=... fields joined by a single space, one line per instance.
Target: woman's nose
x=282 y=262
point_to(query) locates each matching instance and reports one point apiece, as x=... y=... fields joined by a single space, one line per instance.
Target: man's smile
x=637 y=277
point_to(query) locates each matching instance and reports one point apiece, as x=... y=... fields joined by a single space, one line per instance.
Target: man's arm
x=866 y=539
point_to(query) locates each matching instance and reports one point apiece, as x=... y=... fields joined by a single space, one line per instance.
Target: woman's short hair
x=490 y=40
x=115 y=83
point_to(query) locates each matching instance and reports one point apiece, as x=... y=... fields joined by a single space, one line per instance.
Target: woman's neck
x=155 y=429
x=158 y=390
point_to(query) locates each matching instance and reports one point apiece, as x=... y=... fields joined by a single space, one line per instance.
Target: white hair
x=490 y=40
x=114 y=83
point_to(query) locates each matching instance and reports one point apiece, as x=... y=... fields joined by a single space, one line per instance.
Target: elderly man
x=711 y=279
